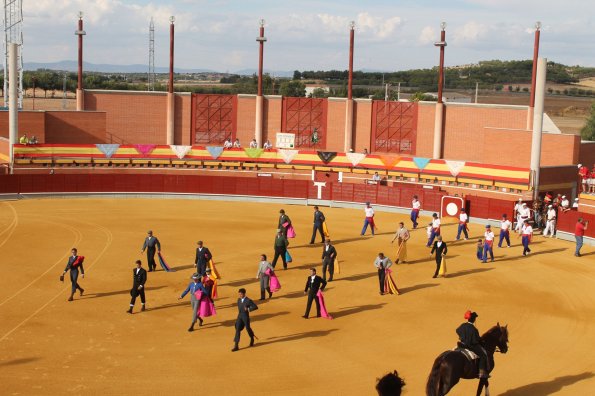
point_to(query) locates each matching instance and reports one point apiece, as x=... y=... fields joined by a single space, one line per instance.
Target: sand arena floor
x=49 y=346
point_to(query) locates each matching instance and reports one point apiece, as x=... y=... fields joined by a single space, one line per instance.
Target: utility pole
x=476 y=90
x=386 y=92
x=151 y=76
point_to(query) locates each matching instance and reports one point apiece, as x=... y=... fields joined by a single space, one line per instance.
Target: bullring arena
x=91 y=346
x=126 y=162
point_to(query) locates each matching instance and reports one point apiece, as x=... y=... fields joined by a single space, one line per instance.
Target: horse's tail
x=434 y=384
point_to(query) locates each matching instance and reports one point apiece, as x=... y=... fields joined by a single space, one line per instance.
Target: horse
x=451 y=366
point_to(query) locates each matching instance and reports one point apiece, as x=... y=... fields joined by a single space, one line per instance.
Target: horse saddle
x=469 y=354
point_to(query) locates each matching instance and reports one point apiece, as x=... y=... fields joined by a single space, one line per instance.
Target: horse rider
x=469 y=339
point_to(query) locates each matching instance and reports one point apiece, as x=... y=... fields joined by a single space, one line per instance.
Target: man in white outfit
x=550 y=225
x=517 y=215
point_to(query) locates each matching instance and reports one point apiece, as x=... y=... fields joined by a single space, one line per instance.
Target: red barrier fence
x=397 y=195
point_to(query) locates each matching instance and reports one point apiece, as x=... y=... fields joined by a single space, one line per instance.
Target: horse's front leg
x=487 y=387
x=482 y=382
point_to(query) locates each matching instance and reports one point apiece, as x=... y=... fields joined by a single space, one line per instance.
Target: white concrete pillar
x=348 y=125
x=259 y=116
x=170 y=117
x=438 y=120
x=80 y=100
x=538 y=124
x=13 y=97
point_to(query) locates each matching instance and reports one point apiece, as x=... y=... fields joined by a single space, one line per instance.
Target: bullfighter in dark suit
x=329 y=253
x=313 y=284
x=245 y=306
x=203 y=256
x=139 y=278
x=74 y=263
x=441 y=250
x=318 y=220
x=149 y=245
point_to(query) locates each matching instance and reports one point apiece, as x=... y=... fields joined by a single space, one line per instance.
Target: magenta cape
x=323 y=312
x=274 y=283
x=206 y=307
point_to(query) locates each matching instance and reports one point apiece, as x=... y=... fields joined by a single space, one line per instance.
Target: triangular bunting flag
x=215 y=151
x=355 y=158
x=144 y=149
x=327 y=156
x=108 y=149
x=421 y=162
x=287 y=155
x=180 y=151
x=390 y=161
x=455 y=167
x=254 y=152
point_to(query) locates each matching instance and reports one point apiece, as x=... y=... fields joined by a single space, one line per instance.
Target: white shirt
x=429 y=231
x=551 y=214
x=527 y=230
x=369 y=212
x=525 y=212
x=565 y=203
x=376 y=177
x=416 y=205
x=253 y=144
x=137 y=270
x=518 y=207
x=489 y=235
x=312 y=278
x=436 y=223
x=505 y=225
x=463 y=217
x=575 y=204
x=267 y=145
x=227 y=144
x=237 y=144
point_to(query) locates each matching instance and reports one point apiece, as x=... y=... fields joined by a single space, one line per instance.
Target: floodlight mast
x=79 y=87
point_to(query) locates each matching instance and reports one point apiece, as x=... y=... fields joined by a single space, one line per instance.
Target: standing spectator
x=227 y=144
x=550 y=224
x=435 y=229
x=313 y=284
x=527 y=234
x=537 y=210
x=74 y=263
x=583 y=173
x=524 y=214
x=261 y=274
x=192 y=288
x=253 y=144
x=505 y=226
x=280 y=246
x=245 y=306
x=390 y=385
x=403 y=236
x=441 y=250
x=284 y=222
x=202 y=258
x=415 y=208
x=463 y=220
x=267 y=145
x=237 y=144
x=329 y=254
x=139 y=278
x=369 y=219
x=488 y=244
x=557 y=201
x=517 y=215
x=150 y=243
x=579 y=233
x=318 y=220
x=382 y=264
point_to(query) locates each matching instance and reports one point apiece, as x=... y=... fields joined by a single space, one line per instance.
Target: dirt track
x=91 y=346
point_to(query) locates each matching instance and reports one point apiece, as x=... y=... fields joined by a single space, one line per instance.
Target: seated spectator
x=376 y=177
x=23 y=139
x=227 y=143
x=575 y=204
x=390 y=384
x=33 y=140
x=565 y=204
x=592 y=180
x=366 y=151
x=237 y=144
x=267 y=145
x=253 y=144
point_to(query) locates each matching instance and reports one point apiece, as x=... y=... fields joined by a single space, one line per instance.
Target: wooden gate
x=214 y=118
x=303 y=116
x=394 y=127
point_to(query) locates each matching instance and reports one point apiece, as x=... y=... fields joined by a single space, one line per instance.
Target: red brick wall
x=74 y=127
x=3 y=151
x=132 y=117
x=246 y=119
x=587 y=154
x=362 y=124
x=273 y=107
x=425 y=130
x=335 y=125
x=183 y=119
x=30 y=122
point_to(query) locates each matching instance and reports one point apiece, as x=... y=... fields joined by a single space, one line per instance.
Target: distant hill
x=72 y=66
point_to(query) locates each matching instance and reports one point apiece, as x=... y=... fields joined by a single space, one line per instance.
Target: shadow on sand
x=294 y=337
x=548 y=387
x=115 y=293
x=352 y=310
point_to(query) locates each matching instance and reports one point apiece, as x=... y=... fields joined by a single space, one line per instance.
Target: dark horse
x=451 y=366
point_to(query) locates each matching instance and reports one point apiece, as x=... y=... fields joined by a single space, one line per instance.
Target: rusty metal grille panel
x=394 y=127
x=214 y=118
x=301 y=116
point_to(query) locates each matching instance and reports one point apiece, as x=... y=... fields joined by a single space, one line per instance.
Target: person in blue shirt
x=193 y=287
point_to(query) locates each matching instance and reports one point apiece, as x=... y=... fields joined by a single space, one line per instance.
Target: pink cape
x=206 y=307
x=274 y=283
x=290 y=232
x=323 y=312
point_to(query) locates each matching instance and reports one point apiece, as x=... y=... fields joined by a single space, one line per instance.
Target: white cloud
x=471 y=32
x=428 y=35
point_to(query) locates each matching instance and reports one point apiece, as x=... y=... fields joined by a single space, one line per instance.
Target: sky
x=310 y=35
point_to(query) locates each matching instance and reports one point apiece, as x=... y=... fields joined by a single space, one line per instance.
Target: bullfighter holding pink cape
x=314 y=284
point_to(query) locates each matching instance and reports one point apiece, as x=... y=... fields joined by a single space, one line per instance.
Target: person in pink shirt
x=579 y=233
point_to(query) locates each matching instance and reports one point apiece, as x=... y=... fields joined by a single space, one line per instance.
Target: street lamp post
x=80 y=104
x=531 y=111
x=439 y=117
x=170 y=87
x=349 y=103
x=258 y=130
